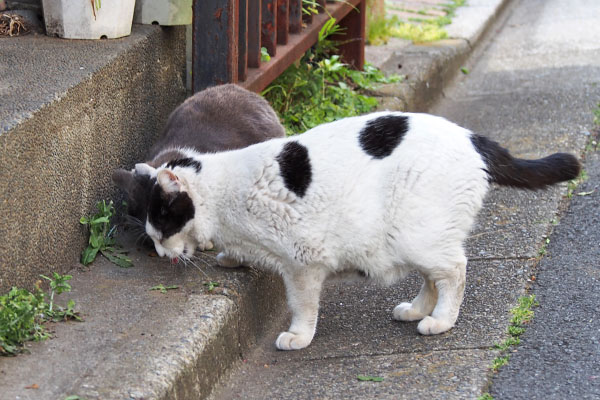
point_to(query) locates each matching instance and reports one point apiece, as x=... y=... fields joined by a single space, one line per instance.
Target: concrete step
x=71 y=112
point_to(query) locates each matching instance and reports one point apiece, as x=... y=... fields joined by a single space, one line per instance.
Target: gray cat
x=219 y=118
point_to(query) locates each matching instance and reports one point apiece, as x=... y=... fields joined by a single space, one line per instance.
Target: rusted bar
x=352 y=50
x=295 y=7
x=322 y=5
x=254 y=28
x=214 y=49
x=259 y=78
x=243 y=40
x=268 y=35
x=283 y=21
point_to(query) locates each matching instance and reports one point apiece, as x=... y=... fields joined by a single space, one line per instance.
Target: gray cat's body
x=220 y=118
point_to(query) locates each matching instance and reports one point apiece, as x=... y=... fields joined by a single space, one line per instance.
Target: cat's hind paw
x=228 y=262
x=406 y=312
x=292 y=341
x=433 y=326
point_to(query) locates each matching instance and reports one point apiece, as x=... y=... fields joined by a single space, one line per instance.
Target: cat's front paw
x=225 y=261
x=292 y=341
x=406 y=312
x=433 y=326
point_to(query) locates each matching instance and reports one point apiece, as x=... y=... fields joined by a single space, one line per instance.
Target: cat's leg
x=303 y=289
x=421 y=306
x=450 y=284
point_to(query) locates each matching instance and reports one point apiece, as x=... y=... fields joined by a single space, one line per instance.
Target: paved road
x=532 y=87
x=559 y=355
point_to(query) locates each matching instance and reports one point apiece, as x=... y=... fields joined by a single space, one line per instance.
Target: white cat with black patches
x=380 y=194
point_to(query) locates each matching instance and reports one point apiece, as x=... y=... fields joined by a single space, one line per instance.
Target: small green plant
x=485 y=396
x=367 y=378
x=163 y=288
x=310 y=7
x=102 y=237
x=521 y=315
x=572 y=184
x=210 y=286
x=542 y=251
x=321 y=88
x=418 y=30
x=465 y=70
x=22 y=314
x=58 y=285
x=264 y=55
x=597 y=115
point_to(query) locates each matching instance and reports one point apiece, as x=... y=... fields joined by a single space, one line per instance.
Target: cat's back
x=219 y=118
x=376 y=139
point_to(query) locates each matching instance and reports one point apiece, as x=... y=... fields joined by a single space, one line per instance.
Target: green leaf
x=163 y=288
x=100 y=220
x=118 y=259
x=89 y=255
x=264 y=55
x=211 y=285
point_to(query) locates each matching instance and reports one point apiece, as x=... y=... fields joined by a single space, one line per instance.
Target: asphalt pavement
x=559 y=354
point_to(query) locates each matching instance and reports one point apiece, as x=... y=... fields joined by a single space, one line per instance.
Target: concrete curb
x=429 y=67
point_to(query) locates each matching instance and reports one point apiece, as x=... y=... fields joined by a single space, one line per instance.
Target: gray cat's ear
x=168 y=181
x=123 y=179
x=145 y=169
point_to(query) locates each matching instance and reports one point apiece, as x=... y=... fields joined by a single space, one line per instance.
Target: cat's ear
x=145 y=169
x=123 y=179
x=168 y=181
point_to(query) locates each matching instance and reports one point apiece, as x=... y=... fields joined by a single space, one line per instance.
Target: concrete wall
x=56 y=159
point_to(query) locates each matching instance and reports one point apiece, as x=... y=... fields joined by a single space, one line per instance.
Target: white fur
x=384 y=217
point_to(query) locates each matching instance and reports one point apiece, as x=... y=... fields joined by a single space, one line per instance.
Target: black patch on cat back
x=169 y=212
x=382 y=135
x=185 y=162
x=295 y=169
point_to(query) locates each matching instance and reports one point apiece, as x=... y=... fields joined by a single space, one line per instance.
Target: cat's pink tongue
x=174 y=260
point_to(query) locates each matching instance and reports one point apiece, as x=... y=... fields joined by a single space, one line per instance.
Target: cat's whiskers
x=186 y=259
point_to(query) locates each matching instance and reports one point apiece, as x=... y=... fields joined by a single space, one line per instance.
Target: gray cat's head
x=137 y=188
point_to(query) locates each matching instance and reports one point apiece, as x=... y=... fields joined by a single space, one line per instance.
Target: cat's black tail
x=506 y=170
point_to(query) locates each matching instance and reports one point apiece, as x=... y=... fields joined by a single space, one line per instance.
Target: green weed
x=22 y=313
x=320 y=88
x=417 y=30
x=163 y=289
x=521 y=315
x=102 y=237
x=367 y=378
x=542 y=251
x=572 y=184
x=485 y=396
x=264 y=55
x=210 y=286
